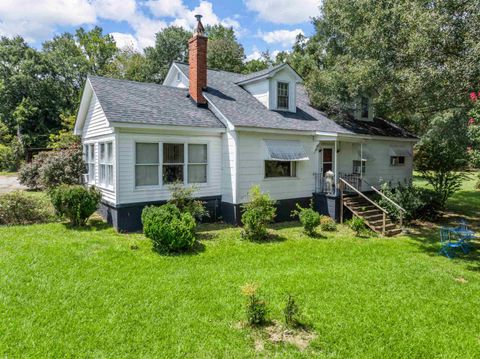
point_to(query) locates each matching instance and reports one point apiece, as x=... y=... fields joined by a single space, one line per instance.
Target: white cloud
x=185 y=17
x=286 y=38
x=170 y=8
x=114 y=9
x=284 y=11
x=125 y=40
x=38 y=19
x=255 y=55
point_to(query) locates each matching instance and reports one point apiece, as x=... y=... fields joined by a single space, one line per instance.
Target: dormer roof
x=268 y=73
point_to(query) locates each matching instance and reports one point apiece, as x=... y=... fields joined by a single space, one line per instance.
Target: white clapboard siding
x=251 y=168
x=128 y=193
x=259 y=90
x=379 y=169
x=96 y=123
x=229 y=164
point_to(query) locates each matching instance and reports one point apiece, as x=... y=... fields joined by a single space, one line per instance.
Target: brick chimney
x=197 y=54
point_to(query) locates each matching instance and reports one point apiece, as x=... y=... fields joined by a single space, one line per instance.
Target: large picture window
x=146 y=164
x=282 y=95
x=280 y=169
x=197 y=163
x=89 y=158
x=106 y=164
x=173 y=162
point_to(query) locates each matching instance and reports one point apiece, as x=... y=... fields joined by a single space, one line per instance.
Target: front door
x=326 y=160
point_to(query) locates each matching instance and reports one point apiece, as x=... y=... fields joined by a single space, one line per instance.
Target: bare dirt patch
x=300 y=337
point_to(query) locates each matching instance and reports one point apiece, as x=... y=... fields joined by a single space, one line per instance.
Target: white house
x=224 y=132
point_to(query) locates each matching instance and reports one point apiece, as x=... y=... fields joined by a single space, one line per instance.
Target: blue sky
x=259 y=24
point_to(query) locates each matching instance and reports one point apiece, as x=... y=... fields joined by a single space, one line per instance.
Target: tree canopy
x=417 y=57
x=224 y=51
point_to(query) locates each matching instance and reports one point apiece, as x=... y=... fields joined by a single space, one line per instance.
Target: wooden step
x=388 y=227
x=393 y=232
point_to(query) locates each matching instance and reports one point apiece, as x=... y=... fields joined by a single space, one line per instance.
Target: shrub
x=258 y=213
x=51 y=169
x=255 y=308
x=76 y=203
x=291 y=312
x=327 y=224
x=62 y=167
x=309 y=218
x=357 y=224
x=21 y=208
x=168 y=228
x=182 y=197
x=418 y=202
x=7 y=158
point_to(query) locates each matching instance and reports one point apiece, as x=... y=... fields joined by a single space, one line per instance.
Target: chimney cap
x=200 y=30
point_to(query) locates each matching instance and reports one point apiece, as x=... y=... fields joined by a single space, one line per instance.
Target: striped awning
x=278 y=150
x=400 y=152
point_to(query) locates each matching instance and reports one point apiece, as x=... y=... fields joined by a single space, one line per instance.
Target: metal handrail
x=388 y=199
x=362 y=195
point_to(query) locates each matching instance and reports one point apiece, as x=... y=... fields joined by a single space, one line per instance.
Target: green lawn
x=8 y=174
x=86 y=293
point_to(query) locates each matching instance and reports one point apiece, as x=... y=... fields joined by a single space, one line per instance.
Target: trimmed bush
x=169 y=229
x=327 y=224
x=21 y=208
x=255 y=307
x=257 y=214
x=309 y=218
x=76 y=203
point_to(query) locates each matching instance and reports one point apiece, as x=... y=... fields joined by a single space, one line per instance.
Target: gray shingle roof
x=146 y=103
x=242 y=109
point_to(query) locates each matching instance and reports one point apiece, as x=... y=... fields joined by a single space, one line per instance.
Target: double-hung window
x=146 y=164
x=106 y=164
x=197 y=163
x=282 y=95
x=173 y=163
x=89 y=158
x=359 y=166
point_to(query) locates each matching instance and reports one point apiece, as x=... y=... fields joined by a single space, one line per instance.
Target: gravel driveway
x=9 y=184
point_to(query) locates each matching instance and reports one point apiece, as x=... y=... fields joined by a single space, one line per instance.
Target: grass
x=93 y=292
x=86 y=293
x=8 y=174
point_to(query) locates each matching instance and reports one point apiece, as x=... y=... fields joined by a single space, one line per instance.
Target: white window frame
x=185 y=164
x=293 y=170
x=89 y=159
x=105 y=165
x=363 y=167
x=159 y=164
x=188 y=164
x=278 y=95
x=185 y=158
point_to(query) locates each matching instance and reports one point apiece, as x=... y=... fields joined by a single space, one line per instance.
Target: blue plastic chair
x=447 y=244
x=464 y=234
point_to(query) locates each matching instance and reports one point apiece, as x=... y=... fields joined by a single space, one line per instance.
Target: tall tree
x=418 y=57
x=130 y=64
x=171 y=44
x=224 y=51
x=98 y=48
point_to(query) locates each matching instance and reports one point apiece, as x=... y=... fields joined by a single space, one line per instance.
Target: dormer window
x=364 y=107
x=282 y=95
